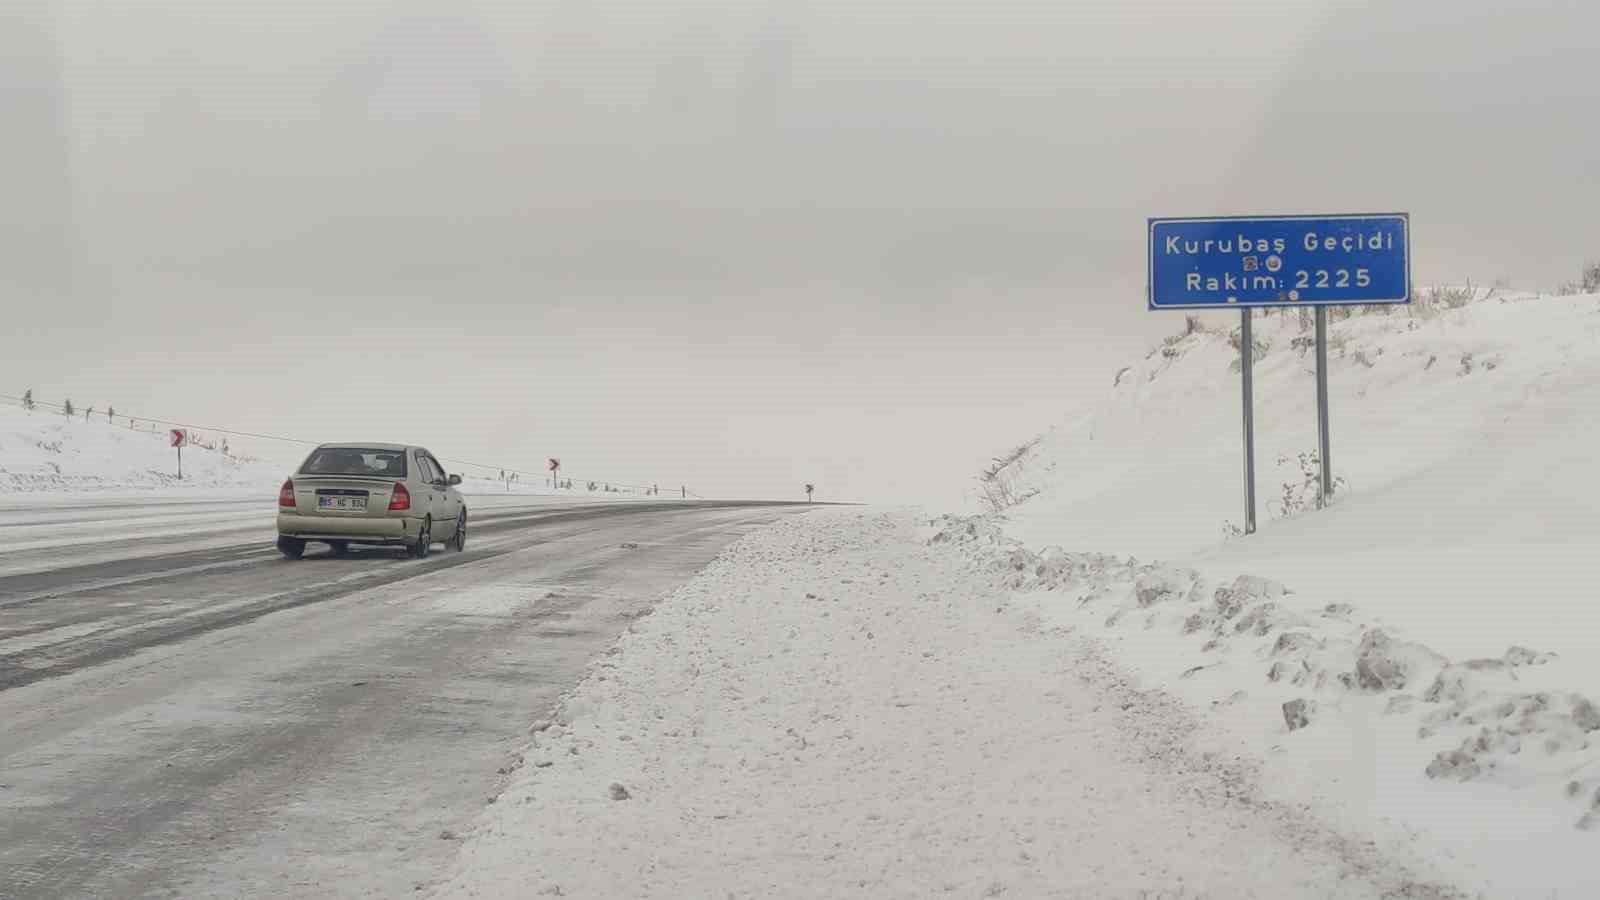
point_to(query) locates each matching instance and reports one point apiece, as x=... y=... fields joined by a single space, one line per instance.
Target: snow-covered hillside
x=1424 y=651
x=44 y=451
x=1448 y=426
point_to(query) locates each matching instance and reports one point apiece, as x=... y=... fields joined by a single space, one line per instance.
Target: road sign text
x=1198 y=263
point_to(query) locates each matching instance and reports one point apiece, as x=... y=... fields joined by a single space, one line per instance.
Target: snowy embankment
x=1423 y=652
x=48 y=453
x=840 y=707
x=52 y=458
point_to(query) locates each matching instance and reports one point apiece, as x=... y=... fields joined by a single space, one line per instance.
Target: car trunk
x=343 y=495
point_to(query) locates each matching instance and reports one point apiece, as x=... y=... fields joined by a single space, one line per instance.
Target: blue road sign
x=1218 y=263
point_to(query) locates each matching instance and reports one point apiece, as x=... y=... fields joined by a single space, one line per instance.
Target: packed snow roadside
x=1489 y=761
x=839 y=707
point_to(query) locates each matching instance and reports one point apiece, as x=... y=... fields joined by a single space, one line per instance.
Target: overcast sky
x=733 y=245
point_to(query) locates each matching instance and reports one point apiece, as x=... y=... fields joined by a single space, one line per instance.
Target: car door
x=428 y=486
x=439 y=503
x=453 y=498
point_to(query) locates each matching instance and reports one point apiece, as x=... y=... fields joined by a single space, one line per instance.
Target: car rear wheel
x=424 y=540
x=291 y=548
x=460 y=540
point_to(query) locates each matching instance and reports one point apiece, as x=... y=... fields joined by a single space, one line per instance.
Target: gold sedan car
x=382 y=494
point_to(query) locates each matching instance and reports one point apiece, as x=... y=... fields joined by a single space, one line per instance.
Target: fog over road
x=186 y=713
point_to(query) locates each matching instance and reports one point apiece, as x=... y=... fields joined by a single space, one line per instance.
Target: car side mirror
x=455 y=479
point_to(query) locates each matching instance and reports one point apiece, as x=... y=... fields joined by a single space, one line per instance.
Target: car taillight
x=401 y=498
x=286 y=495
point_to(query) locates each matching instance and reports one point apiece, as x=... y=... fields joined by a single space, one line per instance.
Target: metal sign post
x=1247 y=358
x=1326 y=493
x=179 y=436
x=1248 y=261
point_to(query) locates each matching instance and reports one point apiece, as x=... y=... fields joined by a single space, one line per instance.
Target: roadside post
x=1247 y=364
x=1222 y=262
x=1324 y=453
x=179 y=438
x=555 y=472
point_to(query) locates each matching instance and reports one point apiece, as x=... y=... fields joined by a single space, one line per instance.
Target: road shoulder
x=835 y=707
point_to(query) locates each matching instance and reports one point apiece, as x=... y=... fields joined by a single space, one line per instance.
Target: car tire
x=460 y=540
x=424 y=540
x=339 y=548
x=291 y=548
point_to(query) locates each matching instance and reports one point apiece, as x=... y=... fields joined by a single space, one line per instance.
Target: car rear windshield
x=356 y=461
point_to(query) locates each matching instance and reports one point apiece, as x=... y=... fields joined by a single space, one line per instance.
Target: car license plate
x=343 y=504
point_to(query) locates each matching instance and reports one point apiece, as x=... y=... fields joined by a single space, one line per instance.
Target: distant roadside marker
x=179 y=437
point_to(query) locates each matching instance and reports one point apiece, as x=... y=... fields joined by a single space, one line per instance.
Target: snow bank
x=1493 y=760
x=837 y=707
x=43 y=452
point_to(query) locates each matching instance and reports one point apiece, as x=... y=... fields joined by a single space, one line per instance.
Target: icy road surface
x=186 y=714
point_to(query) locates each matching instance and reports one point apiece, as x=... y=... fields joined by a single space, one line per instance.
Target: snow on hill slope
x=1470 y=421
x=47 y=452
x=1423 y=652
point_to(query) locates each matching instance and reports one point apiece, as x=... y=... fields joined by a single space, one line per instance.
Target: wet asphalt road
x=183 y=713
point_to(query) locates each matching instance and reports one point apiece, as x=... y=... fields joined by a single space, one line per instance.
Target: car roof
x=365 y=445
